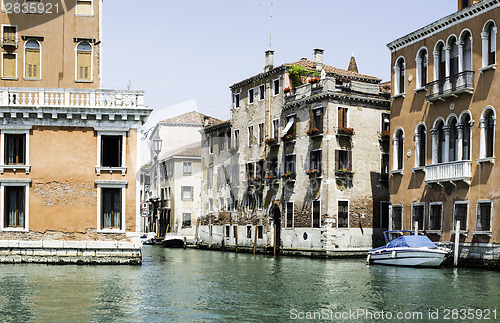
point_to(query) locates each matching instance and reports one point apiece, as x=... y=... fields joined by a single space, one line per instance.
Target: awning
x=288 y=125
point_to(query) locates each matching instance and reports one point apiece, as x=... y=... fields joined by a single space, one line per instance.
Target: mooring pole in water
x=236 y=238
x=457 y=244
x=416 y=228
x=274 y=248
x=255 y=241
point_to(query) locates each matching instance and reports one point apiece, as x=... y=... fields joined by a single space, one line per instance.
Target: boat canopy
x=412 y=242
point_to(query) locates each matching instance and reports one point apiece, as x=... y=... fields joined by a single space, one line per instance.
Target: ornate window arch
x=488 y=37
x=488 y=121
x=420 y=145
x=422 y=61
x=399 y=76
x=398 y=143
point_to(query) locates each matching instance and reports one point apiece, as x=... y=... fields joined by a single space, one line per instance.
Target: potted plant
x=271 y=141
x=287 y=90
x=345 y=131
x=344 y=172
x=312 y=172
x=287 y=137
x=385 y=134
x=313 y=132
x=288 y=175
x=314 y=80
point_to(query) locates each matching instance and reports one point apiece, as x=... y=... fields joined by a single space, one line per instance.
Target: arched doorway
x=275 y=214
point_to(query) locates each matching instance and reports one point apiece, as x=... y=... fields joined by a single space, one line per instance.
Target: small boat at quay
x=408 y=250
x=173 y=241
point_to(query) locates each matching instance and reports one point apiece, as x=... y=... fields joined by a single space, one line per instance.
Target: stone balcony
x=450 y=86
x=449 y=172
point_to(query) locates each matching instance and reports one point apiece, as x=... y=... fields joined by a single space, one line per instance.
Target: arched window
x=466 y=52
x=466 y=138
x=84 y=62
x=398 y=149
x=422 y=63
x=488 y=37
x=399 y=76
x=452 y=43
x=32 y=59
x=453 y=140
x=420 y=146
x=438 y=143
x=488 y=128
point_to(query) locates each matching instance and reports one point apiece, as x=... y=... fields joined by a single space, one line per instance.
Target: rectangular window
x=83 y=61
x=289 y=214
x=262 y=92
x=15 y=149
x=84 y=7
x=259 y=199
x=460 y=214
x=9 y=35
x=210 y=144
x=111 y=208
x=260 y=232
x=9 y=66
x=483 y=222
x=249 y=232
x=111 y=151
x=397 y=217
x=290 y=164
x=316 y=215
x=210 y=176
x=435 y=216
x=14 y=207
x=384 y=214
x=315 y=160
x=276 y=87
x=342 y=118
x=187 y=193
x=251 y=94
x=237 y=100
x=273 y=169
x=384 y=164
x=227 y=231
x=343 y=214
x=276 y=129
x=237 y=139
x=260 y=169
x=250 y=171
x=343 y=159
x=250 y=136
x=186 y=220
x=187 y=168
x=210 y=204
x=386 y=117
x=261 y=133
x=417 y=215
x=290 y=126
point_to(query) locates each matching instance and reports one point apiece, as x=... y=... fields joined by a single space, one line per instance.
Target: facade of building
x=307 y=172
x=443 y=113
x=69 y=159
x=177 y=167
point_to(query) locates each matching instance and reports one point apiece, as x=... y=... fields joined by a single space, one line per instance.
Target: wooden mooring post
x=457 y=244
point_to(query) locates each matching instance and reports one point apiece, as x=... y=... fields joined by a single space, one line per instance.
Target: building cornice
x=226 y=124
x=338 y=96
x=443 y=24
x=258 y=77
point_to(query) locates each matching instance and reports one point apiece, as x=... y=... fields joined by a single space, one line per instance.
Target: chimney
x=269 y=60
x=318 y=58
x=206 y=121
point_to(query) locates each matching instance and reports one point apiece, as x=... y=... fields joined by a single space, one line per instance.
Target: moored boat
x=173 y=241
x=408 y=250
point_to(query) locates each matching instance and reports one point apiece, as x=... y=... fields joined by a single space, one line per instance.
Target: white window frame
x=251 y=96
x=413 y=216
x=15 y=182
x=397 y=78
x=81 y=14
x=275 y=93
x=261 y=92
x=6 y=77
x=431 y=204
x=391 y=212
x=91 y=63
x=250 y=135
x=24 y=62
x=484 y=40
x=463 y=226
x=15 y=130
x=483 y=135
x=274 y=128
x=111 y=184
x=237 y=97
x=261 y=133
x=190 y=220
x=111 y=132
x=189 y=165
x=418 y=74
x=192 y=193
x=8 y=25
x=491 y=215
x=396 y=151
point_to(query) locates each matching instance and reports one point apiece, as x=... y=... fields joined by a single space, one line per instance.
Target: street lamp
x=157 y=143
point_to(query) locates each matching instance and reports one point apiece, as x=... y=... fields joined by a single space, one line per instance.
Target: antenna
x=271 y=27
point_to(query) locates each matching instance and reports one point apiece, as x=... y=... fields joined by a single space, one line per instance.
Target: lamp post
x=157 y=143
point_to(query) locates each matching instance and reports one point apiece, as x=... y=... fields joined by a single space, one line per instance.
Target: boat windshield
x=412 y=242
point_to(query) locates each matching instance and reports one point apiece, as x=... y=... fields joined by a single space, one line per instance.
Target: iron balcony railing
x=450 y=86
x=449 y=172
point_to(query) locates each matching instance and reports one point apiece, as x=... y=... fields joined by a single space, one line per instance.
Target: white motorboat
x=408 y=250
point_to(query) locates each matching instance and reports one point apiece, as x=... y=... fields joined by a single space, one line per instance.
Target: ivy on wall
x=299 y=74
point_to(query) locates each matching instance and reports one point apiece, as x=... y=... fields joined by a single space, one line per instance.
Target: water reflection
x=202 y=286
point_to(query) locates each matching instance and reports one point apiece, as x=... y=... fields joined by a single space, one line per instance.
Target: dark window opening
x=260 y=232
x=316 y=214
x=111 y=208
x=15 y=149
x=418 y=216
x=315 y=160
x=111 y=151
x=397 y=217
x=484 y=216
x=460 y=215
x=343 y=214
x=14 y=207
x=435 y=217
x=289 y=214
x=249 y=232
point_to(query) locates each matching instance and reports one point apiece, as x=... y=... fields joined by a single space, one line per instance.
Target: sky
x=185 y=54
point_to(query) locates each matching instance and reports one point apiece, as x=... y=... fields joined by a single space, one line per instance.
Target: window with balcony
x=439 y=143
x=466 y=43
x=84 y=8
x=342 y=214
x=483 y=222
x=316 y=214
x=453 y=49
x=465 y=125
x=9 y=35
x=417 y=215
x=316 y=121
x=343 y=161
x=396 y=217
x=289 y=214
x=315 y=160
x=84 y=62
x=32 y=60
x=452 y=140
x=14 y=206
x=435 y=216
x=422 y=64
x=420 y=145
x=9 y=65
x=289 y=129
x=290 y=164
x=399 y=76
x=460 y=214
x=111 y=205
x=488 y=37
x=487 y=125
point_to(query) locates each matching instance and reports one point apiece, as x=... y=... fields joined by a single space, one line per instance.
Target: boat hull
x=173 y=243
x=414 y=257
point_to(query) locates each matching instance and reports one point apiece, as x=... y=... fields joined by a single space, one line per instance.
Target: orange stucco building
x=69 y=153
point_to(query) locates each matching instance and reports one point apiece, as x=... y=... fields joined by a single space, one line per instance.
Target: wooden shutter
x=337 y=160
x=9 y=65
x=349 y=159
x=83 y=65
x=84 y=7
x=32 y=63
x=312 y=120
x=342 y=116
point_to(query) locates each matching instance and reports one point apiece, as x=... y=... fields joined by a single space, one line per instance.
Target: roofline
x=259 y=76
x=443 y=24
x=179 y=157
x=337 y=96
x=218 y=126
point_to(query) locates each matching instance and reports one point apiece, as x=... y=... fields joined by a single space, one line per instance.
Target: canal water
x=207 y=286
